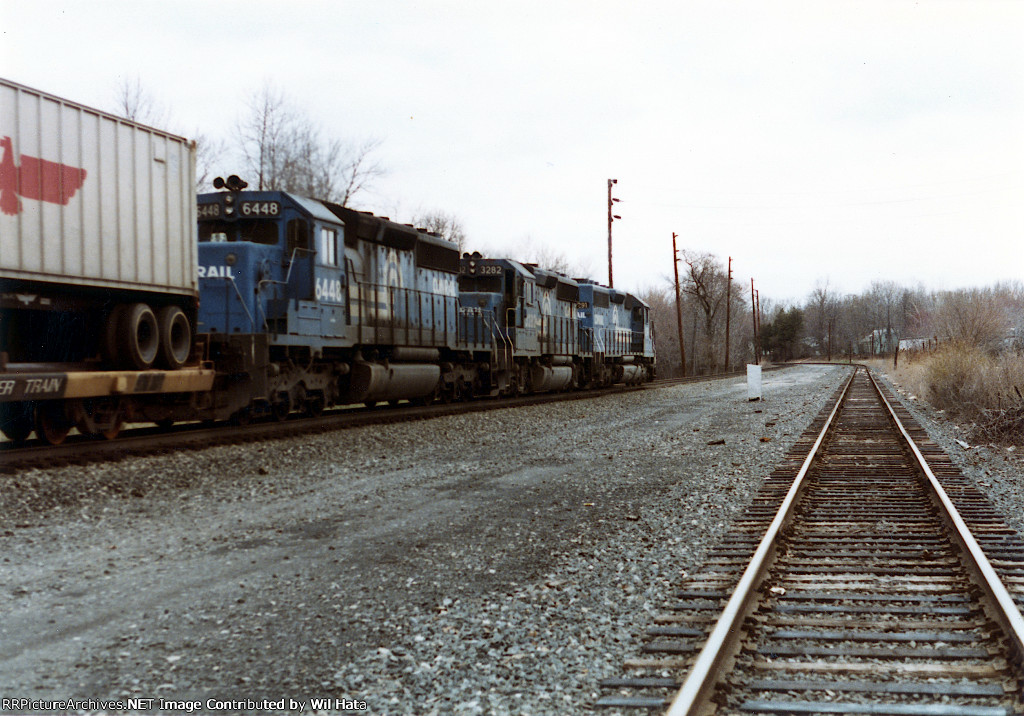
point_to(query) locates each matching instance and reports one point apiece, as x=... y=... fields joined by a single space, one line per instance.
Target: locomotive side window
x=328 y=247
x=298 y=235
x=480 y=284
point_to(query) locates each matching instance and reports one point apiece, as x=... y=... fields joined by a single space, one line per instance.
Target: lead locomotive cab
x=269 y=262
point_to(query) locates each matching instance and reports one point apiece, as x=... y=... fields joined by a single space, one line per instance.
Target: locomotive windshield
x=254 y=231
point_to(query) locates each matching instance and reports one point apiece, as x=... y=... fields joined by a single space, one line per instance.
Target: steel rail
x=700 y=682
x=1008 y=615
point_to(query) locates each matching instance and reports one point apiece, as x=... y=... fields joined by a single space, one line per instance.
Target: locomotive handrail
x=288 y=275
x=506 y=342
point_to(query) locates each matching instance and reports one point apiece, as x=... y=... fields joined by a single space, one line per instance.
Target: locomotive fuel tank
x=375 y=382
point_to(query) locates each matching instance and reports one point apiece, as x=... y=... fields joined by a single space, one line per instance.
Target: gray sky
x=851 y=141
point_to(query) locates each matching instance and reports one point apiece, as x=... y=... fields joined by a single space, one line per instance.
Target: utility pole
x=753 y=318
x=679 y=307
x=760 y=348
x=728 y=307
x=611 y=218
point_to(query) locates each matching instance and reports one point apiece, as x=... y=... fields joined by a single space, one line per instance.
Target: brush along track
x=867 y=601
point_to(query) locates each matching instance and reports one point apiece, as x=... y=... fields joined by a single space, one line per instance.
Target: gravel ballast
x=500 y=562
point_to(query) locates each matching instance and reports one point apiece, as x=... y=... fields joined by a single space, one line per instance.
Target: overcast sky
x=848 y=141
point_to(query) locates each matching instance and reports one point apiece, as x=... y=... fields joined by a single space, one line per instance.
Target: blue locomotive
x=307 y=304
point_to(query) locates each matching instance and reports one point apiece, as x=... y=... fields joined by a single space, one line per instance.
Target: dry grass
x=971 y=385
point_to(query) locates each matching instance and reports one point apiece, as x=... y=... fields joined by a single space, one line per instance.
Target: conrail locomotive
x=291 y=305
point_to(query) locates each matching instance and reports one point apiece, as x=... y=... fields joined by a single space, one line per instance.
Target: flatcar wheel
x=115 y=428
x=140 y=336
x=175 y=337
x=17 y=421
x=52 y=424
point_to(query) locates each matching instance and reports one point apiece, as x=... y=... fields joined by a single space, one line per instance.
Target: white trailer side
x=90 y=199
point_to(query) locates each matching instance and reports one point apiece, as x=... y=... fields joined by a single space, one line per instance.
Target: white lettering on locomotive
x=6 y=387
x=329 y=290
x=215 y=272
x=445 y=286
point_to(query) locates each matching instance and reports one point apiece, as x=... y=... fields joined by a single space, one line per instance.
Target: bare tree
x=284 y=150
x=706 y=283
x=821 y=315
x=974 y=317
x=547 y=258
x=133 y=102
x=209 y=154
x=666 y=336
x=448 y=226
x=263 y=135
x=360 y=170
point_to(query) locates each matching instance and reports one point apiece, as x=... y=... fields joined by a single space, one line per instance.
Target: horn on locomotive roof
x=233 y=183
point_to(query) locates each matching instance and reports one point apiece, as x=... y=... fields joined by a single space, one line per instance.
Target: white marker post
x=753 y=382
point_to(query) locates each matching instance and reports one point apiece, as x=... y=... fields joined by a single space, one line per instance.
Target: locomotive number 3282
x=328 y=290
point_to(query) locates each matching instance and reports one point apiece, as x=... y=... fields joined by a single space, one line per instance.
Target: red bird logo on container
x=35 y=178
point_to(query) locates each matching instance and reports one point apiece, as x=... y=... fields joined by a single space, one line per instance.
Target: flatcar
x=98 y=291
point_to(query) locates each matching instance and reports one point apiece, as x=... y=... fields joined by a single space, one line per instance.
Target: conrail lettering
x=215 y=272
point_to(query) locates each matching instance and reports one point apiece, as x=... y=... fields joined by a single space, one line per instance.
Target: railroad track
x=146 y=439
x=867 y=577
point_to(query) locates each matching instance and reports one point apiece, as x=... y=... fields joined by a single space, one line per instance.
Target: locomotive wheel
x=315 y=405
x=175 y=337
x=140 y=336
x=52 y=425
x=17 y=421
x=281 y=407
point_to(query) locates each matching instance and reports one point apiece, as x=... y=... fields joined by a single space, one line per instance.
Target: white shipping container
x=90 y=199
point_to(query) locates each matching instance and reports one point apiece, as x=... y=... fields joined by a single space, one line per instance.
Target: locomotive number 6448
x=328 y=290
x=260 y=208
